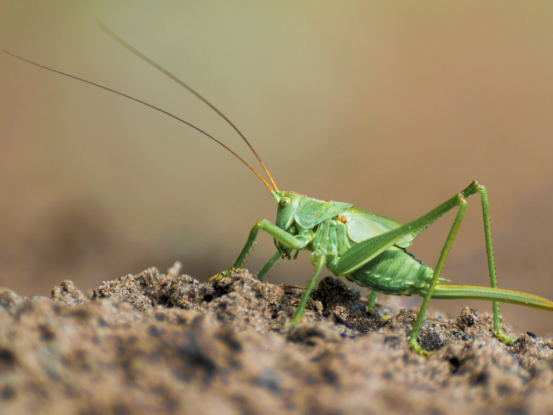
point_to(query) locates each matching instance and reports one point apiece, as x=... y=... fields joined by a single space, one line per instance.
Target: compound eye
x=285 y=201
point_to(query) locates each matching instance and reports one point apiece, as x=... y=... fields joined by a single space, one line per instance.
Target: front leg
x=280 y=235
x=286 y=239
x=263 y=271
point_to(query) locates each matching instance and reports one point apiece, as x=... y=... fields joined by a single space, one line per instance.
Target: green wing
x=310 y=212
x=362 y=225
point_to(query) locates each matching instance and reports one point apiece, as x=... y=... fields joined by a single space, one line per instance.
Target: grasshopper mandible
x=367 y=249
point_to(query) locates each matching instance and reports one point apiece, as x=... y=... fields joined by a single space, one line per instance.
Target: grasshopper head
x=287 y=205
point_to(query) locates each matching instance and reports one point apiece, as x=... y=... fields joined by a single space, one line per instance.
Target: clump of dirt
x=166 y=343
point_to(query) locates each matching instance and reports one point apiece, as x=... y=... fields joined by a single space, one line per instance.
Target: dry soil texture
x=154 y=343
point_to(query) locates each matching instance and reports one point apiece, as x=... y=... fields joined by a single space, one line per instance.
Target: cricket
x=365 y=248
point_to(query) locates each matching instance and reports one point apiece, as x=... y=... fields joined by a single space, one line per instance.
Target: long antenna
x=148 y=105
x=181 y=83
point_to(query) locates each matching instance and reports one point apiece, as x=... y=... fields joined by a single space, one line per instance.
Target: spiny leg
x=371 y=304
x=319 y=261
x=268 y=265
x=473 y=188
x=280 y=235
x=462 y=203
x=491 y=266
x=371 y=301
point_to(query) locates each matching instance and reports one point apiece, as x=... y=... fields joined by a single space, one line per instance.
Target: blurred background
x=391 y=106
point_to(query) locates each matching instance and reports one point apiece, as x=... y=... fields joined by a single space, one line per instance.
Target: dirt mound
x=155 y=343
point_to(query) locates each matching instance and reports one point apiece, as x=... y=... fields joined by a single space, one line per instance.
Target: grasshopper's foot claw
x=502 y=337
x=416 y=347
x=221 y=275
x=294 y=322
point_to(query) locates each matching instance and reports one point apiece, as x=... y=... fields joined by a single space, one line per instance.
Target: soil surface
x=166 y=343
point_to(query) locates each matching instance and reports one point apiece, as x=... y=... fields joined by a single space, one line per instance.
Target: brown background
x=391 y=106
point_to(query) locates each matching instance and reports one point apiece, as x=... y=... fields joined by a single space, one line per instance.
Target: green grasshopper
x=367 y=249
